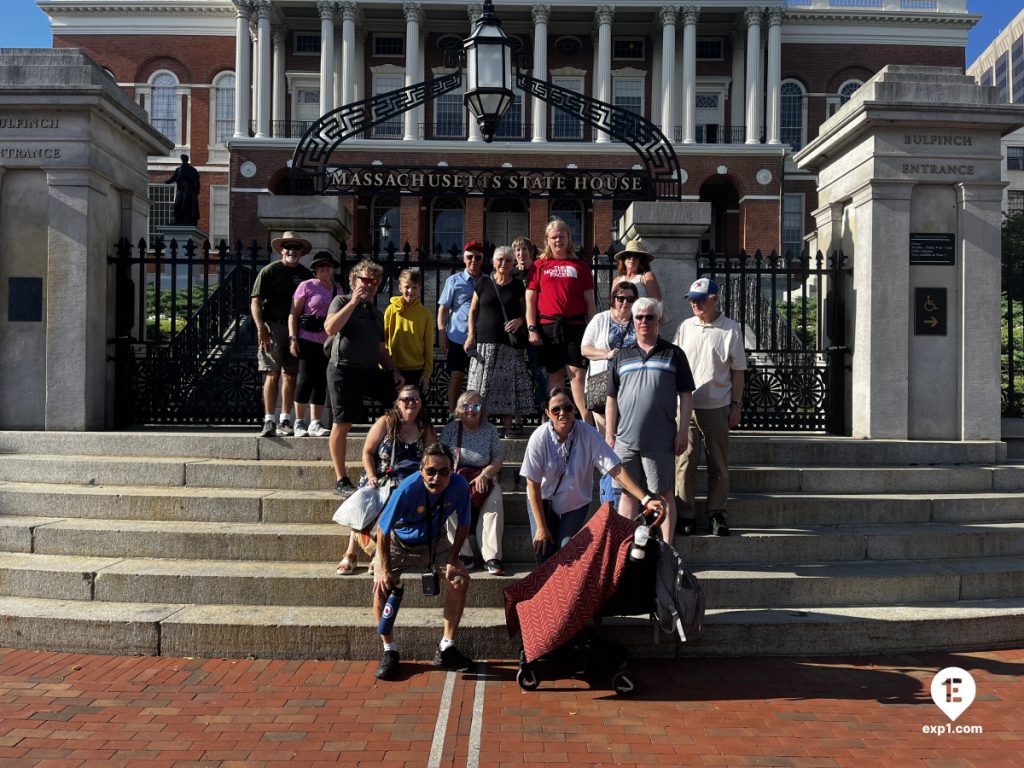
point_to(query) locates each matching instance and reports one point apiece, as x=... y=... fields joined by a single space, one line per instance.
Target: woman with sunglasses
x=559 y=462
x=392 y=451
x=477 y=448
x=606 y=333
x=635 y=267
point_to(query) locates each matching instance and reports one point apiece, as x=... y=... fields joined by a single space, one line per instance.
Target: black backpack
x=679 y=599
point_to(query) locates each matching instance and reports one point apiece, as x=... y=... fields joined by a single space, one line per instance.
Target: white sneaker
x=284 y=429
x=316 y=429
x=300 y=429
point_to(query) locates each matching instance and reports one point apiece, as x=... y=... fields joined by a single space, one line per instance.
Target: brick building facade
x=736 y=86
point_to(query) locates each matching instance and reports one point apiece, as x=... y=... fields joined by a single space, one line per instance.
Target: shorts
x=349 y=386
x=555 y=355
x=457 y=360
x=279 y=357
x=654 y=470
x=416 y=557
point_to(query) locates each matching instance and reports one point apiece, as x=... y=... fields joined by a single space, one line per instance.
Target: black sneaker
x=718 y=525
x=269 y=428
x=495 y=568
x=687 y=526
x=344 y=488
x=388 y=667
x=451 y=658
x=285 y=430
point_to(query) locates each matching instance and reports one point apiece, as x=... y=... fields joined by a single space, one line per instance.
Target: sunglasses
x=369 y=280
x=563 y=408
x=292 y=246
x=472 y=407
x=434 y=472
x=630 y=256
x=624 y=298
x=474 y=257
x=644 y=318
x=409 y=400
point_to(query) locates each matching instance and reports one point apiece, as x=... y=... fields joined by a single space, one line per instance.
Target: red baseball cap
x=473 y=247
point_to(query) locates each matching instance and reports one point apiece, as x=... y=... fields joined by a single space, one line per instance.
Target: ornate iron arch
x=663 y=179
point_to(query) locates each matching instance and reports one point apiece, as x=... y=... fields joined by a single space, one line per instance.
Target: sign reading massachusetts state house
x=485 y=181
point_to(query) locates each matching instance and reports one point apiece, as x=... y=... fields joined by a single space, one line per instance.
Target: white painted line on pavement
x=476 y=726
x=444 y=709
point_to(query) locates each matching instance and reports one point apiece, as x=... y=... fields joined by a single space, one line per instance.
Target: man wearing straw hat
x=271 y=304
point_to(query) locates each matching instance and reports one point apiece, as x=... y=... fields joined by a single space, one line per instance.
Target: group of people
x=637 y=406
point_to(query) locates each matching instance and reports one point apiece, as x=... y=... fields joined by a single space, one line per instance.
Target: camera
x=431 y=583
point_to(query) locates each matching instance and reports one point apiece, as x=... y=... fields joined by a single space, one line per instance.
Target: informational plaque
x=930 y=311
x=932 y=248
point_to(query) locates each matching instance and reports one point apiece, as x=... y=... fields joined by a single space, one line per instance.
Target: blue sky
x=25 y=26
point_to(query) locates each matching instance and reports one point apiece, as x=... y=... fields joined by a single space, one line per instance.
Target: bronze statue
x=186 y=193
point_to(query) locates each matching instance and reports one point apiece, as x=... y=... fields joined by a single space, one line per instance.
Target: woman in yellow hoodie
x=409 y=332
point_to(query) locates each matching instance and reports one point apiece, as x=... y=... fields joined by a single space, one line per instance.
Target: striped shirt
x=646 y=387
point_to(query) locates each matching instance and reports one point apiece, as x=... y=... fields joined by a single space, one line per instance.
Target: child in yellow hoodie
x=409 y=332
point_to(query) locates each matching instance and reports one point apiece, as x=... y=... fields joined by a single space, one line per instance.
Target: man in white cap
x=271 y=303
x=714 y=348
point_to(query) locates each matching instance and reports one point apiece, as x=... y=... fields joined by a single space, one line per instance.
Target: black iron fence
x=793 y=315
x=184 y=343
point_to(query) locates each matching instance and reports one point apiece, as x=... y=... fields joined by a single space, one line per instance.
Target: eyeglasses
x=644 y=318
x=472 y=407
x=625 y=298
x=563 y=408
x=630 y=256
x=409 y=400
x=434 y=471
x=474 y=257
x=368 y=279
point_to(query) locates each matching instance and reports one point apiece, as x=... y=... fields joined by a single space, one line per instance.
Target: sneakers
x=269 y=428
x=718 y=525
x=300 y=428
x=468 y=563
x=388 y=667
x=284 y=429
x=495 y=568
x=451 y=658
x=687 y=526
x=344 y=488
x=316 y=429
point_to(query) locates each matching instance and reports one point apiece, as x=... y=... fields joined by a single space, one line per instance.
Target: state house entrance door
x=506 y=220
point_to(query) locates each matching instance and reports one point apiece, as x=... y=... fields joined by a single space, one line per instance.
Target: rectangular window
x=628 y=93
x=307 y=43
x=388 y=45
x=709 y=49
x=219 y=215
x=564 y=125
x=224 y=115
x=1017 y=68
x=1014 y=202
x=161 y=208
x=450 y=116
x=393 y=127
x=1001 y=78
x=792 y=226
x=511 y=124
x=628 y=48
x=1015 y=158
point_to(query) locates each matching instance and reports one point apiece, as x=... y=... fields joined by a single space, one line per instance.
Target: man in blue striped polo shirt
x=650 y=381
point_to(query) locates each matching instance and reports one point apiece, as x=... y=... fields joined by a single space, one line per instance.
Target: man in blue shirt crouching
x=412 y=537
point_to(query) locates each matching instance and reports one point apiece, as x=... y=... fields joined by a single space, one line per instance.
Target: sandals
x=347 y=566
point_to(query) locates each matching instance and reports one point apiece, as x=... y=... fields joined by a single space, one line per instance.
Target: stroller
x=593 y=576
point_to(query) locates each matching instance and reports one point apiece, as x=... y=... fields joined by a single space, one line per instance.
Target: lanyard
x=439 y=506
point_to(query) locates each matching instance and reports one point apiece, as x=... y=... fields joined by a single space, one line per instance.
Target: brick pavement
x=59 y=709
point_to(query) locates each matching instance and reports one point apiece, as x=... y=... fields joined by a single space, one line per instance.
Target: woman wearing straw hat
x=635 y=267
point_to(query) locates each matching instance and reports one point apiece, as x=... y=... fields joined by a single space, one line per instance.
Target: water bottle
x=387 y=616
x=640 y=538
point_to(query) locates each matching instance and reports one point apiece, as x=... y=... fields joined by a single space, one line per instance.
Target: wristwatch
x=531 y=328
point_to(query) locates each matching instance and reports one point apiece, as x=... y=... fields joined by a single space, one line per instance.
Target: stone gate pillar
x=909 y=187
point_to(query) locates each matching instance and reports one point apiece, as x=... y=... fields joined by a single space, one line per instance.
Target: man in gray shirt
x=649 y=380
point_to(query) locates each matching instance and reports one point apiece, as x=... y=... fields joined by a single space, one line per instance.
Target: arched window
x=847 y=89
x=223 y=107
x=165 y=106
x=792 y=114
x=571 y=212
x=448 y=220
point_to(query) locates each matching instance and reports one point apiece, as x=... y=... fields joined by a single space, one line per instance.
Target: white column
x=738 y=100
x=413 y=15
x=255 y=53
x=348 y=51
x=541 y=15
x=668 y=68
x=242 y=68
x=263 y=74
x=753 y=18
x=604 y=15
x=474 y=11
x=326 y=9
x=338 y=63
x=689 y=16
x=774 y=116
x=277 y=116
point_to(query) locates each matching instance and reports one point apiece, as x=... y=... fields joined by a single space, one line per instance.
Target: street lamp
x=385 y=227
x=488 y=72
